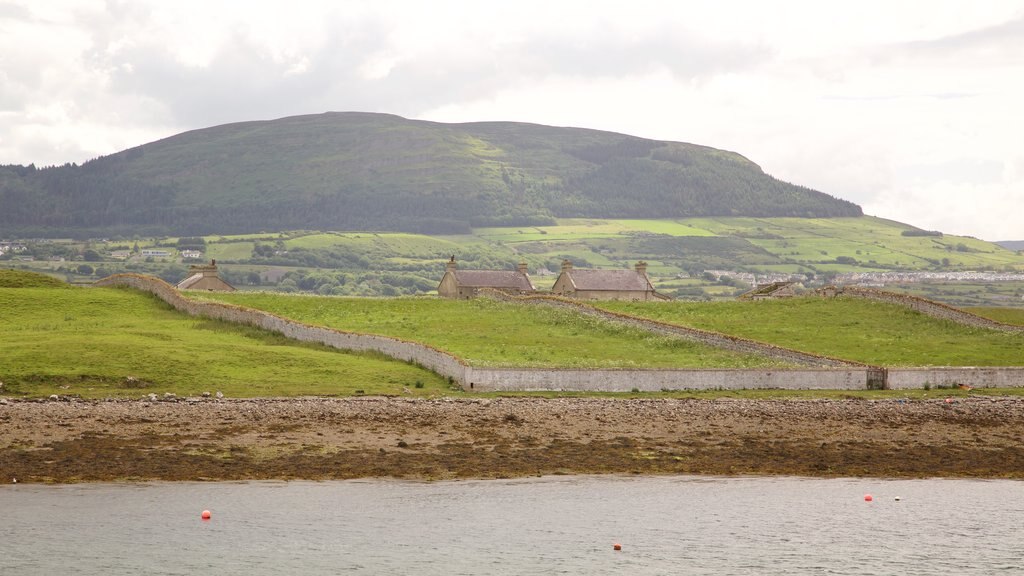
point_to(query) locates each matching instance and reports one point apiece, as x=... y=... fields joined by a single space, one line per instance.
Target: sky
x=912 y=109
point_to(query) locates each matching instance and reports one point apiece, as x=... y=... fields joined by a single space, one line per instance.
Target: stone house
x=205 y=277
x=606 y=284
x=467 y=283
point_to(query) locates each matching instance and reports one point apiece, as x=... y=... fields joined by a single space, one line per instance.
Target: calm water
x=561 y=525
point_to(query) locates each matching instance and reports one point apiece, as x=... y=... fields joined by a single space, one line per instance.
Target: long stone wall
x=976 y=377
x=431 y=358
x=624 y=380
x=708 y=337
x=924 y=306
x=489 y=380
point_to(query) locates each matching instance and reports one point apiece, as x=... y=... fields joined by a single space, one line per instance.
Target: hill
x=359 y=171
x=100 y=343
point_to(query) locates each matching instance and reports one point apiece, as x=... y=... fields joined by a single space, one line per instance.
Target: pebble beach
x=71 y=440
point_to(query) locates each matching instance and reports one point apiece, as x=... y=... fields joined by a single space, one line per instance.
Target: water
x=559 y=525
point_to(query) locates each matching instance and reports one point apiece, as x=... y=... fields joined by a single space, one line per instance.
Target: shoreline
x=479 y=438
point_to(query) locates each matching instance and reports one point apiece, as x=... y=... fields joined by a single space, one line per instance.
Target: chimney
x=566 y=265
x=451 y=264
x=209 y=271
x=641 y=267
x=522 y=268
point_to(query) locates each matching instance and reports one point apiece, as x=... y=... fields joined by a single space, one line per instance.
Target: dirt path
x=317 y=438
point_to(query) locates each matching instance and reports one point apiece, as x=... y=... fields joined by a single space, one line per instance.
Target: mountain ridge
x=366 y=171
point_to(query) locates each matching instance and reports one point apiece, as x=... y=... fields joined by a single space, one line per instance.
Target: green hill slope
x=104 y=342
x=357 y=171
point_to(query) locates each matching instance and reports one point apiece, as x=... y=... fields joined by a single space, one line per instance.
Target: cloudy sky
x=912 y=109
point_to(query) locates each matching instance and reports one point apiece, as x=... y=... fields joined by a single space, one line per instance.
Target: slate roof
x=621 y=280
x=767 y=289
x=502 y=279
x=200 y=282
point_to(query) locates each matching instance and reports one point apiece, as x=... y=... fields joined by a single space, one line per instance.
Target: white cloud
x=888 y=104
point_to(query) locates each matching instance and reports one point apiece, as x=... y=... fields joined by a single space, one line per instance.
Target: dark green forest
x=358 y=171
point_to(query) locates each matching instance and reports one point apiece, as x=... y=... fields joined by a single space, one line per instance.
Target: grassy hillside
x=1000 y=314
x=356 y=171
x=90 y=341
x=861 y=330
x=488 y=333
x=22 y=279
x=493 y=333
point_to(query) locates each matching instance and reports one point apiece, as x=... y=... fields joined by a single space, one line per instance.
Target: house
x=191 y=254
x=770 y=290
x=606 y=284
x=204 y=277
x=467 y=283
x=156 y=253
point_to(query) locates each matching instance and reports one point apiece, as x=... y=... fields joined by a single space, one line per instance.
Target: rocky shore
x=323 y=438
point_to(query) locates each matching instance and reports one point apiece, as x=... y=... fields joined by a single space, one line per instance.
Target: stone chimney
x=641 y=267
x=451 y=264
x=207 y=270
x=522 y=268
x=566 y=265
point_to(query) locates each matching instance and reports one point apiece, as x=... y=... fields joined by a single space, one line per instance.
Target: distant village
x=571 y=282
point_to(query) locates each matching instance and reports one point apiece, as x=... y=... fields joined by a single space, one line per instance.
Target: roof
x=767 y=289
x=507 y=279
x=620 y=280
x=201 y=282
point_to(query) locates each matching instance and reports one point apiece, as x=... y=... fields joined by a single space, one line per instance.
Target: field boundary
x=708 y=337
x=482 y=379
x=922 y=305
x=443 y=363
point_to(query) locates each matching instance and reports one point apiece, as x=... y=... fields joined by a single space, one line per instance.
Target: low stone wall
x=927 y=307
x=708 y=337
x=499 y=380
x=625 y=380
x=980 y=377
x=431 y=358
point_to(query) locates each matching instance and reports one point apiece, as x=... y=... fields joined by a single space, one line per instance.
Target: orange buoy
x=868 y=497
x=616 y=546
x=205 y=515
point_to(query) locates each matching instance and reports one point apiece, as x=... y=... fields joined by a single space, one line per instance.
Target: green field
x=97 y=343
x=498 y=334
x=89 y=341
x=1004 y=315
x=853 y=329
x=678 y=252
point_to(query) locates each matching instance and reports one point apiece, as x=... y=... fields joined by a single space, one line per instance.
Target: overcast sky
x=912 y=109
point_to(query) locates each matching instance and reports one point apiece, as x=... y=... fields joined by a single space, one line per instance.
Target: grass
x=498 y=334
x=1000 y=314
x=23 y=279
x=860 y=330
x=90 y=341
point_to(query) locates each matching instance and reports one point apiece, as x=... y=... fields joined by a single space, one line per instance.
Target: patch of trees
x=916 y=232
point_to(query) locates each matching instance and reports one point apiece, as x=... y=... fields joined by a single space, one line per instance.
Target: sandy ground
x=322 y=438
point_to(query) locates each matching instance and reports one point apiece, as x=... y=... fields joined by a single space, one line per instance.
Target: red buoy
x=205 y=515
x=868 y=498
x=616 y=546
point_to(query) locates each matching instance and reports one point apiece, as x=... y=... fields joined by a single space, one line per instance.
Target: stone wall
x=708 y=337
x=924 y=306
x=431 y=358
x=976 y=377
x=490 y=380
x=494 y=379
